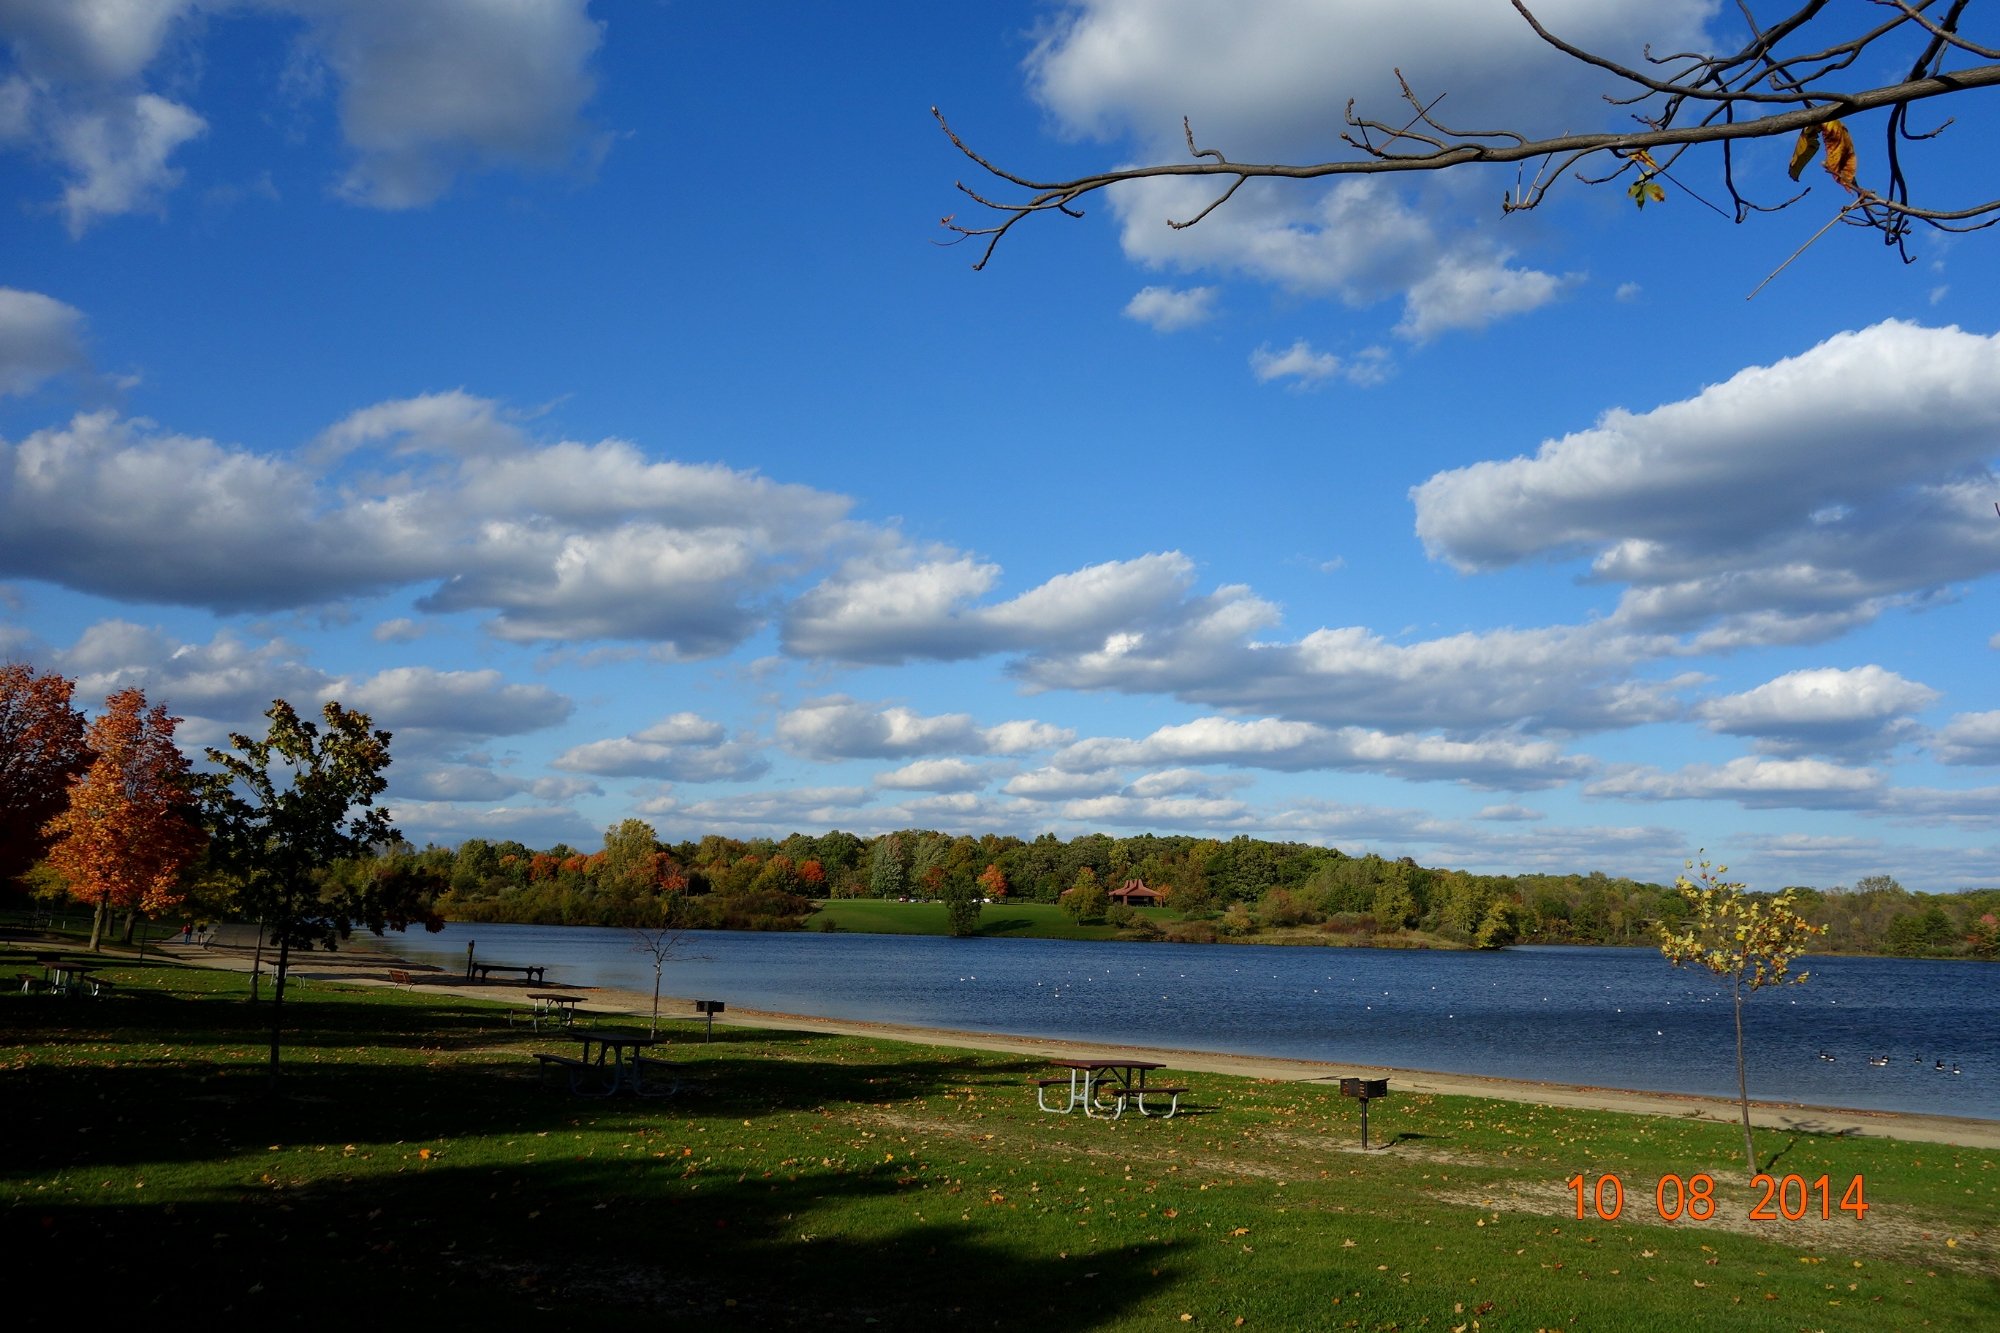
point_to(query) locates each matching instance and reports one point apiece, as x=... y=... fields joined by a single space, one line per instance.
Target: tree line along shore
x=1208 y=890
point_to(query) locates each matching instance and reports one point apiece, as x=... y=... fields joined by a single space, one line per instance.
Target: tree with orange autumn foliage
x=41 y=748
x=128 y=829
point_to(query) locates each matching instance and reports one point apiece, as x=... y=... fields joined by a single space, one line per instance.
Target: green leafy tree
x=1750 y=942
x=1086 y=899
x=1395 y=905
x=282 y=810
x=961 y=904
x=885 y=867
x=1498 y=929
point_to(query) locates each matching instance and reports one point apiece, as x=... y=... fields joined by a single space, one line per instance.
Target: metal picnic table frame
x=1102 y=1085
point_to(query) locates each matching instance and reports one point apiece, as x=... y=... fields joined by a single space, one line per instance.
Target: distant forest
x=1214 y=889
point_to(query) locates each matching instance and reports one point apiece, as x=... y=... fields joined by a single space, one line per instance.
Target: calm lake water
x=1617 y=1018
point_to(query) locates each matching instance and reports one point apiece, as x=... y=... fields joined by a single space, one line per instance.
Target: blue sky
x=582 y=390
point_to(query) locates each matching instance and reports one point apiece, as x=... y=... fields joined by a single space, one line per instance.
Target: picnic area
x=411 y=1163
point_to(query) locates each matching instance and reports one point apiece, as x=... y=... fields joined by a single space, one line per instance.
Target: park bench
x=98 y=985
x=400 y=977
x=30 y=983
x=483 y=970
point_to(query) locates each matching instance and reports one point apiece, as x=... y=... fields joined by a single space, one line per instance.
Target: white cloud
x=1559 y=679
x=229 y=681
x=478 y=83
x=1824 y=710
x=1024 y=737
x=1270 y=80
x=40 y=337
x=939 y=775
x=564 y=541
x=1299 y=362
x=467 y=703
x=838 y=727
x=1470 y=291
x=474 y=85
x=1828 y=484
x=1499 y=760
x=450 y=822
x=1169 y=309
x=1055 y=784
x=908 y=605
x=1756 y=783
x=684 y=747
x=117 y=155
x=1969 y=738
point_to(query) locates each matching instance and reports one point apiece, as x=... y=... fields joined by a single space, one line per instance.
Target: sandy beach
x=368 y=962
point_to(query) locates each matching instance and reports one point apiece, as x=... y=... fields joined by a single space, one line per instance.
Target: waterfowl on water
x=1878 y=1060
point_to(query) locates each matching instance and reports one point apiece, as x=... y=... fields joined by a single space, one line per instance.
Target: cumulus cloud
x=684 y=747
x=1969 y=738
x=838 y=727
x=560 y=541
x=1824 y=710
x=463 y=703
x=938 y=775
x=1169 y=309
x=1505 y=761
x=1308 y=369
x=479 y=83
x=1755 y=783
x=1825 y=485
x=1557 y=680
x=228 y=681
x=450 y=822
x=1263 y=80
x=40 y=337
x=477 y=782
x=476 y=84
x=1056 y=784
x=912 y=605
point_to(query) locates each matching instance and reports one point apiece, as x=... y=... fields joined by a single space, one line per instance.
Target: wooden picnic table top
x=1105 y=1062
x=554 y=997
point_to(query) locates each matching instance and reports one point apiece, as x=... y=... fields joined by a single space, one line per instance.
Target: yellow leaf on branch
x=1802 y=151
x=1839 y=160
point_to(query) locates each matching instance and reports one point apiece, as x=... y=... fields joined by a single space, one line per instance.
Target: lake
x=1620 y=1018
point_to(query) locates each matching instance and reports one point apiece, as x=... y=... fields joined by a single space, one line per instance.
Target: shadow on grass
x=532 y=1201
x=608 y=1244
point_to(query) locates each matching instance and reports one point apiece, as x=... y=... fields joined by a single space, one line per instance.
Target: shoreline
x=370 y=966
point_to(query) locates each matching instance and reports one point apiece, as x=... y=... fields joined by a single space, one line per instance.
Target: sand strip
x=365 y=965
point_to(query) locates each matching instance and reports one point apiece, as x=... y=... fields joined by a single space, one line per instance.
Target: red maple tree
x=129 y=828
x=41 y=749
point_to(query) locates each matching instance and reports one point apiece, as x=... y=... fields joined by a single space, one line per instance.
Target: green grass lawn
x=410 y=1167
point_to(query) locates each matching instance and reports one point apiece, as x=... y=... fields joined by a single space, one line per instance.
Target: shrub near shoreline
x=806 y=1180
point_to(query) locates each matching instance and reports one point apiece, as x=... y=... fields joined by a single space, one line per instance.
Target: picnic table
x=613 y=1061
x=1105 y=1084
x=553 y=1007
x=70 y=978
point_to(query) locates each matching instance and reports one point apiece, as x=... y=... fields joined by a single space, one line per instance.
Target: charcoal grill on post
x=1362 y=1089
x=709 y=1009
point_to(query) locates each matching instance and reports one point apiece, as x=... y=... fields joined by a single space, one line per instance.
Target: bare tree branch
x=1765 y=89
